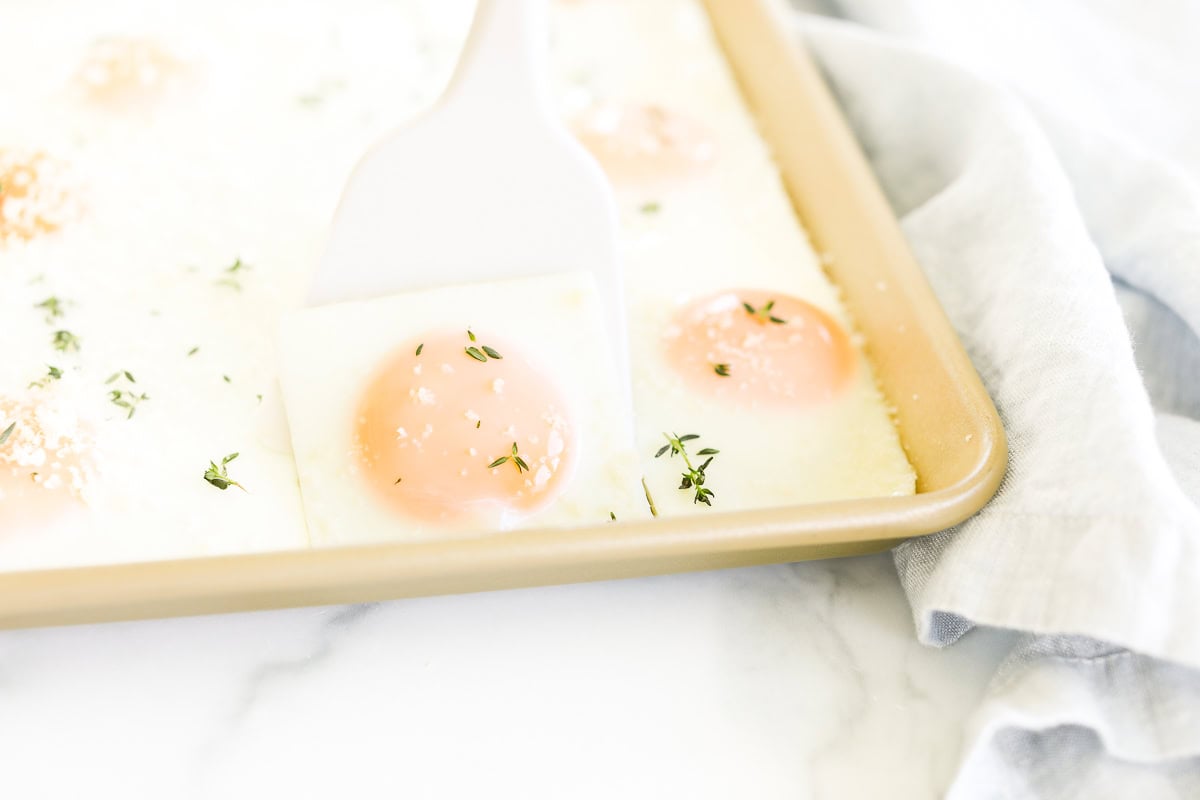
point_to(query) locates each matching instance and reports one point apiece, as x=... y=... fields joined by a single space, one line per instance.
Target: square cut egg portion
x=458 y=410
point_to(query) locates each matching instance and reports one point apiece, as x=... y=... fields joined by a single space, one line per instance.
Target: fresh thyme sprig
x=52 y=374
x=64 y=341
x=721 y=369
x=763 y=313
x=127 y=399
x=516 y=459
x=693 y=477
x=218 y=474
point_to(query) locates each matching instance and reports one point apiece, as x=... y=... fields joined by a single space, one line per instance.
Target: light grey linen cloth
x=1044 y=158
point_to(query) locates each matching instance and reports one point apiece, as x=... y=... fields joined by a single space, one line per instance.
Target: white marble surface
x=796 y=681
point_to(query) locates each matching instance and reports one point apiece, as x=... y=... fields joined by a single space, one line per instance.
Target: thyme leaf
x=763 y=314
x=52 y=374
x=514 y=457
x=218 y=474
x=65 y=342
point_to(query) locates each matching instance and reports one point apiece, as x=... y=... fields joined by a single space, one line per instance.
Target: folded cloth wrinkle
x=1142 y=211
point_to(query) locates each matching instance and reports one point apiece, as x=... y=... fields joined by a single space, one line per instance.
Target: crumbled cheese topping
x=423 y=396
x=35 y=196
x=48 y=448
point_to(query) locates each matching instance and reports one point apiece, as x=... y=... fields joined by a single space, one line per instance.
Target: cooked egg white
x=147 y=148
x=708 y=229
x=462 y=409
x=144 y=150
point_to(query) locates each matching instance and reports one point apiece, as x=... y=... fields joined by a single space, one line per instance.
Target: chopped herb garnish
x=481 y=353
x=514 y=457
x=649 y=498
x=721 y=369
x=227 y=379
x=230 y=276
x=650 y=208
x=194 y=350
x=218 y=474
x=612 y=515
x=125 y=398
x=478 y=422
x=693 y=477
x=53 y=307
x=259 y=396
x=64 y=341
x=397 y=481
x=763 y=313
x=7 y=432
x=420 y=347
x=520 y=462
x=53 y=374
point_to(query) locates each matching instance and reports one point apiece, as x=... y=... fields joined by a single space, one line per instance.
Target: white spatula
x=486 y=185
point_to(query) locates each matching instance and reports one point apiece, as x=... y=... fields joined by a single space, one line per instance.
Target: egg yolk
x=45 y=461
x=125 y=71
x=33 y=195
x=760 y=349
x=443 y=435
x=645 y=144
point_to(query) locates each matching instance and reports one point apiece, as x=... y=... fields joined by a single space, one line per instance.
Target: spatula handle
x=504 y=59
